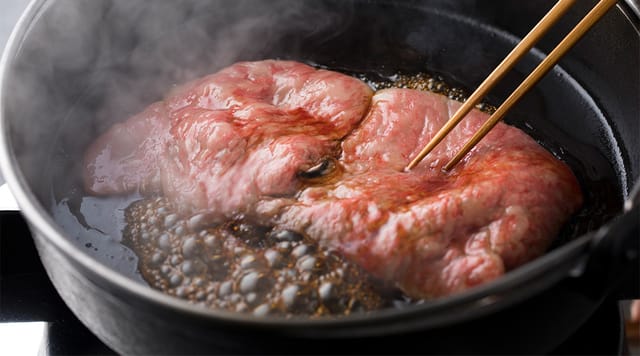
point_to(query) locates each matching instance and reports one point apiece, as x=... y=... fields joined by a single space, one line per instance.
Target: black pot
x=74 y=68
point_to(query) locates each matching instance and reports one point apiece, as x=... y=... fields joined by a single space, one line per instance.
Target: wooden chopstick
x=572 y=38
x=516 y=54
x=523 y=47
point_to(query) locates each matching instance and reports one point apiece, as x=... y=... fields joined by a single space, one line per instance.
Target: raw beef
x=226 y=141
x=433 y=233
x=238 y=143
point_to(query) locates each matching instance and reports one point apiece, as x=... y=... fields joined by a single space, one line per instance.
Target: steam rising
x=90 y=64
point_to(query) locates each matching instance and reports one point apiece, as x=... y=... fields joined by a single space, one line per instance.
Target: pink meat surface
x=235 y=142
x=223 y=142
x=432 y=233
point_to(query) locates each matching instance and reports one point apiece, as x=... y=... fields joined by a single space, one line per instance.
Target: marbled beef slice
x=226 y=141
x=434 y=233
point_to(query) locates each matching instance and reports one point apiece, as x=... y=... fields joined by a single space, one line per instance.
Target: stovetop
x=34 y=320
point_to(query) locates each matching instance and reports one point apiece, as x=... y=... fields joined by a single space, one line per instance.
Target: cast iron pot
x=74 y=68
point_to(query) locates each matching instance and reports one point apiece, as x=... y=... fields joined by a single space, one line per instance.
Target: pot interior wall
x=82 y=66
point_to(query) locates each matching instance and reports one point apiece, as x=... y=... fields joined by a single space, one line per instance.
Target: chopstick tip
x=413 y=164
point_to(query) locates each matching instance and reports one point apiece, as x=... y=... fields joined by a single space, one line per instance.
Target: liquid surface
x=244 y=267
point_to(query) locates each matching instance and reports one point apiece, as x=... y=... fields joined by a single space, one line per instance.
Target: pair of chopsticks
x=561 y=7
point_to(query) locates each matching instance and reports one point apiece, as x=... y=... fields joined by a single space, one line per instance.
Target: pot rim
x=475 y=302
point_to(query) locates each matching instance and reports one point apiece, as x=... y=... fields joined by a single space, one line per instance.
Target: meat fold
x=236 y=143
x=221 y=143
x=433 y=233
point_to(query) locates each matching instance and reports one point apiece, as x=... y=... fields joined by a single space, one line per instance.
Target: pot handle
x=614 y=261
